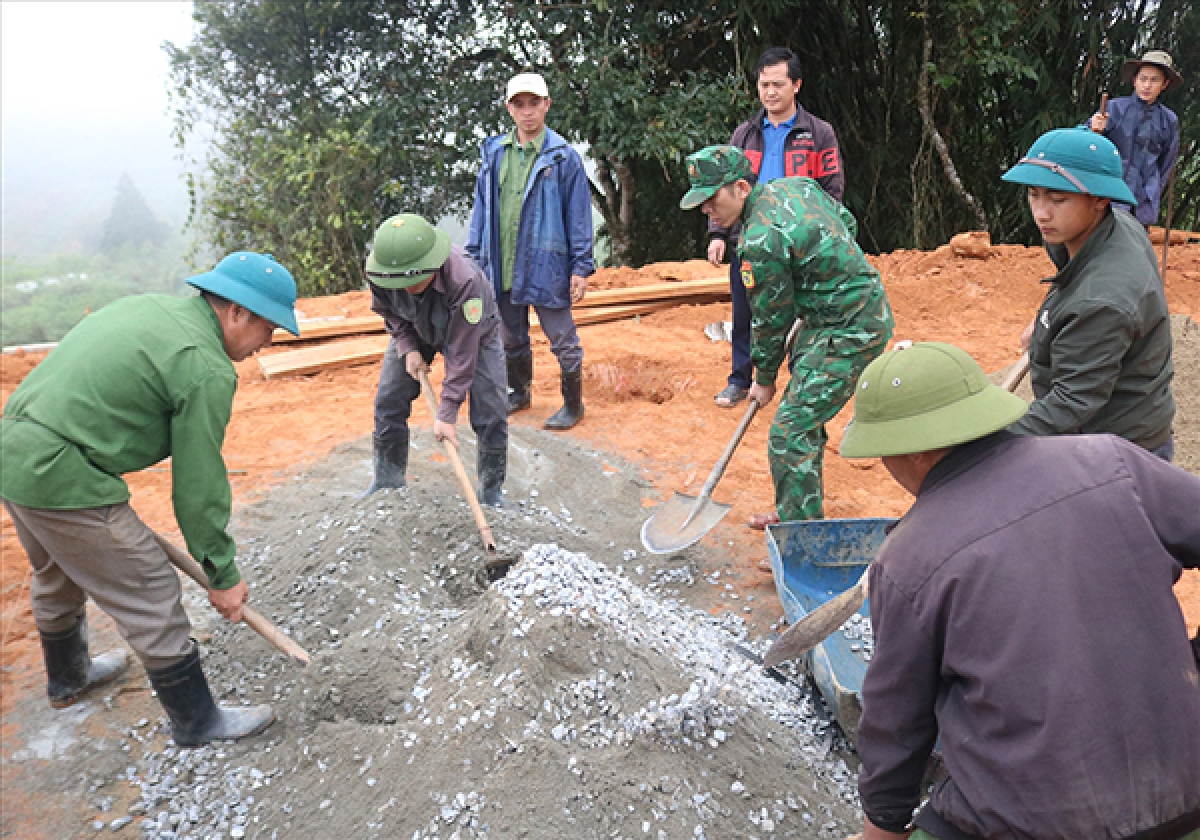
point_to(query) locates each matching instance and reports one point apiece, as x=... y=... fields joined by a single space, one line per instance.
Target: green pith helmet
x=712 y=168
x=1073 y=160
x=927 y=396
x=255 y=282
x=407 y=250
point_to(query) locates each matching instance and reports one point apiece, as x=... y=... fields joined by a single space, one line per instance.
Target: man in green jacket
x=1100 y=345
x=145 y=378
x=800 y=261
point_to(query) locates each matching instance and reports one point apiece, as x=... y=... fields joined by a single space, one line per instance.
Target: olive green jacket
x=1100 y=356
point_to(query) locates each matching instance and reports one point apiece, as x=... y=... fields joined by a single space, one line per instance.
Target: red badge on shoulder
x=747 y=275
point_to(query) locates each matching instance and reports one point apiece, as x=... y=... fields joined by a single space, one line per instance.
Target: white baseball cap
x=527 y=83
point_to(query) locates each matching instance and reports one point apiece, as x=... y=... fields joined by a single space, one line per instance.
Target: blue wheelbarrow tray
x=813 y=561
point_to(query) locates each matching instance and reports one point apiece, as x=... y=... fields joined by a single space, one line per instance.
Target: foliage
x=131 y=221
x=329 y=116
x=43 y=299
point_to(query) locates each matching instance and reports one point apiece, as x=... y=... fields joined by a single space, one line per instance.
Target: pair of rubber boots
x=182 y=688
x=391 y=464
x=520 y=397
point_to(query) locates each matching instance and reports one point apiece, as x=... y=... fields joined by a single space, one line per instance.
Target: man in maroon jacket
x=781 y=141
x=434 y=299
x=1024 y=615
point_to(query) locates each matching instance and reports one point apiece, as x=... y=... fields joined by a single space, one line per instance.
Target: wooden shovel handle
x=258 y=623
x=485 y=531
x=1018 y=372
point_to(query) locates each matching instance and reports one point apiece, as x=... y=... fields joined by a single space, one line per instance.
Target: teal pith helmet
x=712 y=168
x=407 y=249
x=1073 y=160
x=927 y=396
x=255 y=282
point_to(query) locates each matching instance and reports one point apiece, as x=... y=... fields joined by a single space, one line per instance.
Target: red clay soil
x=649 y=394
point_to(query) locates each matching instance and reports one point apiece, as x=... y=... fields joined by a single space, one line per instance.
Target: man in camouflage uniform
x=799 y=261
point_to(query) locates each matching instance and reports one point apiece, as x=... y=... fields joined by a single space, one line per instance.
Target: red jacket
x=810 y=151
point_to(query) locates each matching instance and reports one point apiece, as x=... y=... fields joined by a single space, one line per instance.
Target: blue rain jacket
x=555 y=237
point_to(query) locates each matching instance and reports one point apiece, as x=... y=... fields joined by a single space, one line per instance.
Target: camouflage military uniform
x=800 y=260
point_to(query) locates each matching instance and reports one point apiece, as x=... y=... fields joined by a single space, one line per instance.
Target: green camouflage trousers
x=796 y=442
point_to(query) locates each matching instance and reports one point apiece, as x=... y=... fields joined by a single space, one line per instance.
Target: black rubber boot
x=520 y=382
x=70 y=672
x=492 y=467
x=195 y=718
x=572 y=410
x=391 y=462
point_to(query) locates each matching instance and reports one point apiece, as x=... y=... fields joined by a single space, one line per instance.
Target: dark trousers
x=742 y=374
x=557 y=325
x=487 y=398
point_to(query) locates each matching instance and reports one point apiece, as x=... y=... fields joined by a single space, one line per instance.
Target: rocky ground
x=595 y=691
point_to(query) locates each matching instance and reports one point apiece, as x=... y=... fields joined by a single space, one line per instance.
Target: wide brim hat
x=924 y=397
x=255 y=282
x=406 y=250
x=1073 y=160
x=1156 y=58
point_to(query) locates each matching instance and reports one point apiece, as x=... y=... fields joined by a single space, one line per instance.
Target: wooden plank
x=361 y=351
x=330 y=328
x=338 y=354
x=713 y=286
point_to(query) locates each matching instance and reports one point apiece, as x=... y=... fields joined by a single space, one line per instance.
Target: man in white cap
x=531 y=233
x=1023 y=616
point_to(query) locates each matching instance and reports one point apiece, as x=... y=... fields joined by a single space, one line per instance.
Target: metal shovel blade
x=681 y=522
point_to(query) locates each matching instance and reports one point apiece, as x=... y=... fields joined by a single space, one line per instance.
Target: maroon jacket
x=810 y=151
x=1023 y=613
x=440 y=320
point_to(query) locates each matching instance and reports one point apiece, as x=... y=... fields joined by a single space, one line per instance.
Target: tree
x=327 y=118
x=131 y=221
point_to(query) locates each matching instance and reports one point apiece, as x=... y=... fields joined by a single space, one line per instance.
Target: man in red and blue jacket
x=781 y=141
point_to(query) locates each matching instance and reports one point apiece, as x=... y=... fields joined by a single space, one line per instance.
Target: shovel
x=820 y=624
x=684 y=519
x=485 y=532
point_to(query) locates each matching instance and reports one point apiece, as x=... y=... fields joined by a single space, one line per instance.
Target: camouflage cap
x=712 y=168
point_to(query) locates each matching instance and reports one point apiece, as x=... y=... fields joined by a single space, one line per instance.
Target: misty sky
x=85 y=99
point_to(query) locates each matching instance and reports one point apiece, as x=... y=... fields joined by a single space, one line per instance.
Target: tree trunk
x=614 y=199
x=925 y=107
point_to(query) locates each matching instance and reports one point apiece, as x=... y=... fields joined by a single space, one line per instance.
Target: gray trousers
x=107 y=553
x=487 y=399
x=557 y=324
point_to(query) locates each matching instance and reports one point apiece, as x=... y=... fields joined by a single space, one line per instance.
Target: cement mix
x=582 y=695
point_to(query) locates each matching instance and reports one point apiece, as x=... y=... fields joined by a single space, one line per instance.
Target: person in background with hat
x=1145 y=131
x=531 y=233
x=434 y=299
x=1024 y=615
x=1100 y=345
x=799 y=261
x=145 y=378
x=782 y=140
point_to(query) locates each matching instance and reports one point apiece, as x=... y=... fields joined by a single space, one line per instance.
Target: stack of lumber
x=597 y=307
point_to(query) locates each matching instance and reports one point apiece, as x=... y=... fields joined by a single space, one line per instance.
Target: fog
x=84 y=100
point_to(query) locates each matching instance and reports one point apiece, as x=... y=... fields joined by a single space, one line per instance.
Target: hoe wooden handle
x=259 y=624
x=485 y=530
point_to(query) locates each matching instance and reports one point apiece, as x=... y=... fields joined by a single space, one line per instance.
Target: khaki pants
x=109 y=554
